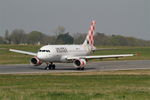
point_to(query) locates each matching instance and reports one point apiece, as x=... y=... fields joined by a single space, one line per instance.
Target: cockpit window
x=44 y=50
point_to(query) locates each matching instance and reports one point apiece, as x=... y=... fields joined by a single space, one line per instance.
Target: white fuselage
x=59 y=53
x=77 y=54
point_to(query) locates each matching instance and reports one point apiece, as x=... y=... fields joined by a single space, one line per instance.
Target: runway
x=91 y=66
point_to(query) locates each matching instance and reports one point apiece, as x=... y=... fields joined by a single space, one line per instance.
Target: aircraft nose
x=41 y=56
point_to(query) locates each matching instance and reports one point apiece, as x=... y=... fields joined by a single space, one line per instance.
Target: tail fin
x=89 y=41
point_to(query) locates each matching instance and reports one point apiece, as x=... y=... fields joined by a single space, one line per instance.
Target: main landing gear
x=80 y=68
x=50 y=66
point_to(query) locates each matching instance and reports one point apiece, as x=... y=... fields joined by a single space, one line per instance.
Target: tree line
x=19 y=36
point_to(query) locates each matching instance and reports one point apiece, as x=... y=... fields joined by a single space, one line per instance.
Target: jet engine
x=79 y=63
x=35 y=61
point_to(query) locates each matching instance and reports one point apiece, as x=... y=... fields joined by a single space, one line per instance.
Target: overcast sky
x=120 y=17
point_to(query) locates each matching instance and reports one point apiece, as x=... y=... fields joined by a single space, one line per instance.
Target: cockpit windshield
x=44 y=50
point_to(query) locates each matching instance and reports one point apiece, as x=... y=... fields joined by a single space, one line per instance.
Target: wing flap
x=23 y=52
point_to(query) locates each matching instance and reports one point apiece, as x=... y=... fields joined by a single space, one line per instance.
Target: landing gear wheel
x=82 y=68
x=53 y=66
x=50 y=66
x=78 y=68
x=46 y=68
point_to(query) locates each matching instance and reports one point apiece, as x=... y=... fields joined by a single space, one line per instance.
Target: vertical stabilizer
x=89 y=41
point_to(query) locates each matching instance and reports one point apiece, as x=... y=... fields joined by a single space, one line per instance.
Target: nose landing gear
x=50 y=66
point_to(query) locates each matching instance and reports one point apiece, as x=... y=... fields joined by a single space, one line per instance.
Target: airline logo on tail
x=90 y=36
x=91 y=33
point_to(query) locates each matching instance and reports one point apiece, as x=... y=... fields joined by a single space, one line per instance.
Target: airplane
x=76 y=54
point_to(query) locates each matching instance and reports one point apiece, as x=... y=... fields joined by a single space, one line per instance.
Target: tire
x=50 y=67
x=82 y=68
x=53 y=67
x=78 y=68
x=47 y=68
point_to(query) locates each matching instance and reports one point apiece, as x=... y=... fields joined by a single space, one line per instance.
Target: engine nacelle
x=35 y=61
x=79 y=63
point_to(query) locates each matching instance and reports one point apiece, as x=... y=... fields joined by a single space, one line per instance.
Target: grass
x=115 y=85
x=7 y=57
x=143 y=52
x=112 y=85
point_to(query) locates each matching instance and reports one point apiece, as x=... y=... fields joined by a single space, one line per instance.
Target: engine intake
x=79 y=63
x=35 y=61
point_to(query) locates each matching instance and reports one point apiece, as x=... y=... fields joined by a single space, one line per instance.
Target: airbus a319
x=76 y=54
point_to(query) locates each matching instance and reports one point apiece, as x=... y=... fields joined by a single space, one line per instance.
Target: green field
x=115 y=85
x=7 y=57
x=111 y=85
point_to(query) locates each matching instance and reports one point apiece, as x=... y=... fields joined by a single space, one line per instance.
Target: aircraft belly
x=55 y=58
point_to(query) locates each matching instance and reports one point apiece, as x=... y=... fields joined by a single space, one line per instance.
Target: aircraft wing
x=102 y=49
x=100 y=56
x=23 y=52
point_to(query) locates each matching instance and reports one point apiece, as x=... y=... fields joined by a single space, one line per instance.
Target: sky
x=119 y=17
